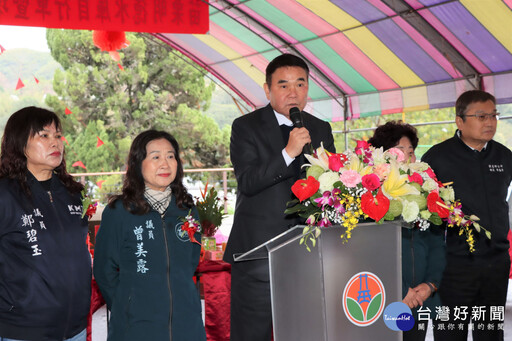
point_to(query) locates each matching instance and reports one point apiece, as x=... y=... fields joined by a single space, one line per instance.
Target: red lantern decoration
x=110 y=41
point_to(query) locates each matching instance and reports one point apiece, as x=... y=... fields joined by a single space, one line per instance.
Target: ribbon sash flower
x=191 y=226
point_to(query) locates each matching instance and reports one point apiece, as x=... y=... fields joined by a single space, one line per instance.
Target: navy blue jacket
x=45 y=267
x=480 y=181
x=144 y=266
x=423 y=261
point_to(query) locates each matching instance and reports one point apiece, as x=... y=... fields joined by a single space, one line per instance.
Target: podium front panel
x=307 y=288
x=297 y=293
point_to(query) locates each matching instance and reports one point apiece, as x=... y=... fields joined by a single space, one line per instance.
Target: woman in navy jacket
x=45 y=267
x=144 y=258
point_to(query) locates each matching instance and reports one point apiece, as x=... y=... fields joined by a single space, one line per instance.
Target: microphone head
x=296 y=117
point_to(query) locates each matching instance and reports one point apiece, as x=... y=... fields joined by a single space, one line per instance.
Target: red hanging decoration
x=67 y=111
x=20 y=84
x=64 y=139
x=2 y=50
x=100 y=142
x=100 y=183
x=110 y=41
x=37 y=80
x=120 y=66
x=79 y=164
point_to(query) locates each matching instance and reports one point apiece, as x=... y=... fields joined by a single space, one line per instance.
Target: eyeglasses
x=483 y=116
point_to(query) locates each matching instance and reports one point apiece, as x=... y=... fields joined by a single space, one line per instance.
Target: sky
x=33 y=38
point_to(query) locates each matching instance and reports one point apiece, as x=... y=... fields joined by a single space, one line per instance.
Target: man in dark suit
x=266 y=152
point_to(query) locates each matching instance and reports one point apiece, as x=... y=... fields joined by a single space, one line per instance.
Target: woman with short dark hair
x=423 y=252
x=45 y=267
x=145 y=254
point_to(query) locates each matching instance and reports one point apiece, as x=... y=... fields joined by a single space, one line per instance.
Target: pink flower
x=400 y=156
x=416 y=177
x=371 y=182
x=350 y=178
x=382 y=170
x=433 y=176
x=336 y=161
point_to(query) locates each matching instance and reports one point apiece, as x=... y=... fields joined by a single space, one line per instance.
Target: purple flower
x=324 y=222
x=311 y=220
x=325 y=199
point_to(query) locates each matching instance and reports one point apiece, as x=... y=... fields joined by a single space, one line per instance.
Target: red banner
x=158 y=16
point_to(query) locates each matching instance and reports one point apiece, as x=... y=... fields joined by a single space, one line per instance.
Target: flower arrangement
x=191 y=226
x=369 y=183
x=211 y=211
x=88 y=205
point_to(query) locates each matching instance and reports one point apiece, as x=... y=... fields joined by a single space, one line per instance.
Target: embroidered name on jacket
x=496 y=168
x=141 y=253
x=28 y=221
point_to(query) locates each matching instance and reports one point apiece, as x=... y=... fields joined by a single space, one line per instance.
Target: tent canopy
x=367 y=57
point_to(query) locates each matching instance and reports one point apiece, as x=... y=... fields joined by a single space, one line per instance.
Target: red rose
x=336 y=161
x=371 y=182
x=415 y=177
x=360 y=146
x=304 y=189
x=375 y=207
x=436 y=205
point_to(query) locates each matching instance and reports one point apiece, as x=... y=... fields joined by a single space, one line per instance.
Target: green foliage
x=24 y=64
x=428 y=135
x=374 y=307
x=224 y=109
x=210 y=210
x=157 y=90
x=112 y=185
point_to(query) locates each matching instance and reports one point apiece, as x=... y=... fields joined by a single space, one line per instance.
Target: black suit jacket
x=264 y=181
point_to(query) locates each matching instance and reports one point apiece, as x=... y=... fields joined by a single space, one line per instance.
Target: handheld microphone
x=296 y=118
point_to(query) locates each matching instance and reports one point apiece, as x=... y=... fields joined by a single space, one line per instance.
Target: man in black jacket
x=266 y=152
x=474 y=285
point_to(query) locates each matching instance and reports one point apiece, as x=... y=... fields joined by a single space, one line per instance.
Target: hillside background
x=27 y=64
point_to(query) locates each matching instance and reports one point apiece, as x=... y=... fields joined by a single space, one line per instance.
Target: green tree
x=156 y=89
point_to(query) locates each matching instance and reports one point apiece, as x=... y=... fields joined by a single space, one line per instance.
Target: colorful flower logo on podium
x=364 y=299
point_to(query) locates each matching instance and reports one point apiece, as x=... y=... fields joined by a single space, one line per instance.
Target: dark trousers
x=251 y=313
x=480 y=285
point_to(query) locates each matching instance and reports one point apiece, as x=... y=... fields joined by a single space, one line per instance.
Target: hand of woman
x=412 y=299
x=423 y=291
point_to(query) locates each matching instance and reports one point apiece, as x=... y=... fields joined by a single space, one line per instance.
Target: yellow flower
x=395 y=185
